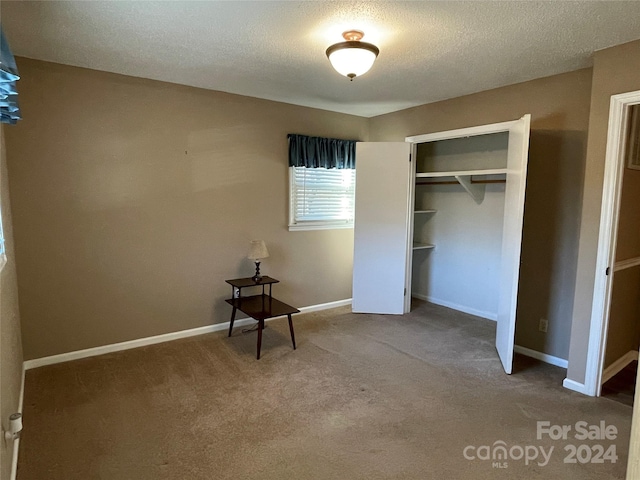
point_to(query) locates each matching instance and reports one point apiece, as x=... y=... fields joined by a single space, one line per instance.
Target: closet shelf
x=493 y=171
x=465 y=178
x=420 y=246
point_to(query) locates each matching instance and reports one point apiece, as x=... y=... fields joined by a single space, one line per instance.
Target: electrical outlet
x=542 y=326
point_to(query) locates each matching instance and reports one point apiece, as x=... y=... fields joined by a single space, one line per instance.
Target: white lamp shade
x=258 y=250
x=352 y=61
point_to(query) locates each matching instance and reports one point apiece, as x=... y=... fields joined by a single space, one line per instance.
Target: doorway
x=618 y=254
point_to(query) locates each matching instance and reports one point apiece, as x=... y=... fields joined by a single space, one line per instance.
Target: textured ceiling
x=429 y=51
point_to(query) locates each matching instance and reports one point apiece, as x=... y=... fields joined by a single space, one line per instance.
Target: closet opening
x=439 y=217
x=459 y=197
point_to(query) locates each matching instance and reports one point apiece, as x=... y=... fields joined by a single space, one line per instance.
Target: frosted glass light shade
x=258 y=250
x=352 y=62
x=353 y=57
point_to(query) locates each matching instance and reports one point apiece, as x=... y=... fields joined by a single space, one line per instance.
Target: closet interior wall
x=461 y=270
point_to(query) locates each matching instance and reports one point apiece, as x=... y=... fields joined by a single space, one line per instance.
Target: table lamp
x=257 y=252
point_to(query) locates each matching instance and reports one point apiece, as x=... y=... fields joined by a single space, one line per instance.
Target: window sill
x=320 y=226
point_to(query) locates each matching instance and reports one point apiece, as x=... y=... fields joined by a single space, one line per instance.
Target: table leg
x=233 y=317
x=260 y=327
x=293 y=337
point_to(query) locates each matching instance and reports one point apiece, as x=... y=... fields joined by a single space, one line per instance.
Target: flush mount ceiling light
x=353 y=57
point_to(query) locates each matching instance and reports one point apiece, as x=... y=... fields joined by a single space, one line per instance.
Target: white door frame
x=607 y=238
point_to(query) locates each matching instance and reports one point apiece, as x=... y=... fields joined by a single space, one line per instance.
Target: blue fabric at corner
x=9 y=109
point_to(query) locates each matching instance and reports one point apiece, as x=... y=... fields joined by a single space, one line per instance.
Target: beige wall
x=559 y=106
x=628 y=241
x=10 y=343
x=134 y=200
x=616 y=70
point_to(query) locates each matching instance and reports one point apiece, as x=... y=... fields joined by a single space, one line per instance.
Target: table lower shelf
x=261 y=307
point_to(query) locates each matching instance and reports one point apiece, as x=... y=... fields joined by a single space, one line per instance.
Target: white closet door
x=383 y=173
x=512 y=239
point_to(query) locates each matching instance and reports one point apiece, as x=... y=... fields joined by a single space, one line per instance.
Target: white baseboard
x=617 y=366
x=576 y=387
x=325 y=306
x=544 y=357
x=16 y=442
x=166 y=337
x=455 y=306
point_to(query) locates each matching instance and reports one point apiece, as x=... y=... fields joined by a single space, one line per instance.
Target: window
x=321 y=198
x=321 y=182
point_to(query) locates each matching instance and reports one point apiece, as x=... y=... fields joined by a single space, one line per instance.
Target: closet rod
x=447 y=182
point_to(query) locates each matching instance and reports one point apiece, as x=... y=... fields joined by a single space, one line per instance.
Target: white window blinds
x=322 y=198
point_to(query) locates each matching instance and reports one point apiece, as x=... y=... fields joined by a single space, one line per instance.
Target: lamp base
x=257 y=277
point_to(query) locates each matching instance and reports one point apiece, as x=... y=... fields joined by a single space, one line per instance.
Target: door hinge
x=607 y=271
x=410 y=158
x=405 y=292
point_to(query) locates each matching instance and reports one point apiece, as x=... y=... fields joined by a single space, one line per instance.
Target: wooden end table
x=259 y=307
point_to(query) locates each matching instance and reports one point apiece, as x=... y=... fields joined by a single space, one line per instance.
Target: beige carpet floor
x=363 y=397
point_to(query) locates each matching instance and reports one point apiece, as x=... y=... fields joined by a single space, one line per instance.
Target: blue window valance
x=320 y=152
x=9 y=110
